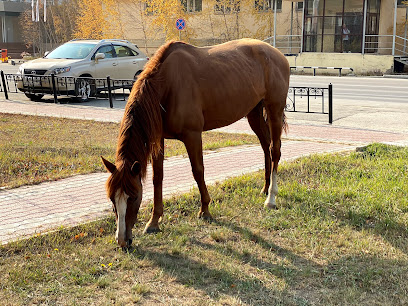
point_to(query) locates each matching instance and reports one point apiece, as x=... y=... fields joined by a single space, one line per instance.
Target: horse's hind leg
x=275 y=121
x=260 y=127
x=193 y=143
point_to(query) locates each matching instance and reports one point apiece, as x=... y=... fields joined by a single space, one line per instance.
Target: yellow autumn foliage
x=164 y=15
x=98 y=19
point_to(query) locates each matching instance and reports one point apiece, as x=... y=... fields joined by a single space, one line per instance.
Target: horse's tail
x=285 y=126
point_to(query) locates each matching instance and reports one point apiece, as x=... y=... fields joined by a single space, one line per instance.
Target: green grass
x=37 y=149
x=339 y=237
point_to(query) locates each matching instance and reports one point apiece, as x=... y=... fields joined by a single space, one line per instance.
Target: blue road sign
x=180 y=24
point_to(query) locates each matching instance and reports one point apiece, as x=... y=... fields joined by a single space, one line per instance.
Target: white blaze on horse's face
x=121 y=199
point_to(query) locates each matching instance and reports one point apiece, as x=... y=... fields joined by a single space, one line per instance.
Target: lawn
x=37 y=149
x=339 y=237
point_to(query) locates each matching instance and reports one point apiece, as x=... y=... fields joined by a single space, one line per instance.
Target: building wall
x=10 y=30
x=207 y=27
x=367 y=64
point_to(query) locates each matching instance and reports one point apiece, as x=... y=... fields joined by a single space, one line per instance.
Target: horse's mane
x=141 y=127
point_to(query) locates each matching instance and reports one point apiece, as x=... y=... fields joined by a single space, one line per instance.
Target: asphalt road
x=376 y=89
x=380 y=101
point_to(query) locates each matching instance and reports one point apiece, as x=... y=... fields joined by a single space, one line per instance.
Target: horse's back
x=217 y=85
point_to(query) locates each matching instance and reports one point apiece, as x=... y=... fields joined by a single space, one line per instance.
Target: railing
x=401 y=46
x=340 y=69
x=377 y=44
x=287 y=44
x=311 y=100
x=300 y=99
x=80 y=88
x=386 y=44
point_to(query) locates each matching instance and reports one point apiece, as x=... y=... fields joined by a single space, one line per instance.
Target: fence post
x=108 y=79
x=3 y=80
x=330 y=103
x=54 y=88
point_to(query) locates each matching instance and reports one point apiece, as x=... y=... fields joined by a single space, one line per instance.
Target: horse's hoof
x=151 y=230
x=270 y=206
x=205 y=216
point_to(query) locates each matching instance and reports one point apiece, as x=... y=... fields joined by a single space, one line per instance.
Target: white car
x=83 y=59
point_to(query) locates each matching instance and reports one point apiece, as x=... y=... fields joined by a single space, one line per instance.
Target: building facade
x=293 y=26
x=365 y=27
x=9 y=20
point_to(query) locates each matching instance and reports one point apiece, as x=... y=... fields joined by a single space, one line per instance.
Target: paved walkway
x=28 y=210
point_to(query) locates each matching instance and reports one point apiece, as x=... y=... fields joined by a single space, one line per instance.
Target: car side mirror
x=99 y=56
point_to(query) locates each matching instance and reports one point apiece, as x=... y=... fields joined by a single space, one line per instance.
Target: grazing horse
x=183 y=91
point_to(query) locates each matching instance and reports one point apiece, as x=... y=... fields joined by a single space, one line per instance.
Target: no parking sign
x=180 y=24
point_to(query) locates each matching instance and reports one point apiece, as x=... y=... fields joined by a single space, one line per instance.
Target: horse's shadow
x=386 y=226
x=216 y=281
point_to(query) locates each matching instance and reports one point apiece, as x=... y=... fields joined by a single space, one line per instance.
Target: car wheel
x=34 y=97
x=83 y=89
x=137 y=75
x=135 y=78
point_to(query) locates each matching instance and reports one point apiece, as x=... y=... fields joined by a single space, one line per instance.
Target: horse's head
x=124 y=189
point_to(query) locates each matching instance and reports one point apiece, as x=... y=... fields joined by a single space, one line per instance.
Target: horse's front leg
x=194 y=146
x=157 y=164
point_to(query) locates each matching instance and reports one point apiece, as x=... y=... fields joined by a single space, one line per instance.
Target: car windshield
x=71 y=51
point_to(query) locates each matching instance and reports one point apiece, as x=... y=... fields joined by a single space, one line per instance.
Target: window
x=299 y=6
x=267 y=5
x=402 y=3
x=336 y=26
x=192 y=5
x=227 y=6
x=123 y=51
x=107 y=50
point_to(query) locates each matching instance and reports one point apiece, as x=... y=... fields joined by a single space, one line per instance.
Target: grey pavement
x=31 y=210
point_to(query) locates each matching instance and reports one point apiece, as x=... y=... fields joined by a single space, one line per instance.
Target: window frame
x=234 y=7
x=268 y=5
x=190 y=6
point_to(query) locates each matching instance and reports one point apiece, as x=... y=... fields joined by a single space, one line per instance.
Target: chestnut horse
x=183 y=91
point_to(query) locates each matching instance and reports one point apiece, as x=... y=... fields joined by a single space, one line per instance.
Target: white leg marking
x=121 y=204
x=272 y=191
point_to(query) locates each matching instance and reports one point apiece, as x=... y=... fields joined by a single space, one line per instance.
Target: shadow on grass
x=251 y=289
x=386 y=226
x=350 y=279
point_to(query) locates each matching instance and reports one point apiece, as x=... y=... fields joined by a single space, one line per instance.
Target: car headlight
x=61 y=70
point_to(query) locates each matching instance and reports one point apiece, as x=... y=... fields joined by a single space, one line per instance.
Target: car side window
x=107 y=50
x=123 y=51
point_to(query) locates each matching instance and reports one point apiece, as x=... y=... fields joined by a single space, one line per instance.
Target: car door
x=107 y=66
x=129 y=61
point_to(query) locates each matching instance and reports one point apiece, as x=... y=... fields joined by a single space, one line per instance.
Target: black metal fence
x=311 y=100
x=81 y=88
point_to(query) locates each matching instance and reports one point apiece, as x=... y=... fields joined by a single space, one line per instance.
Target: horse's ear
x=108 y=165
x=136 y=168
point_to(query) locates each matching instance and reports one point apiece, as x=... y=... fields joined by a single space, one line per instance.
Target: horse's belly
x=215 y=124
x=221 y=114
